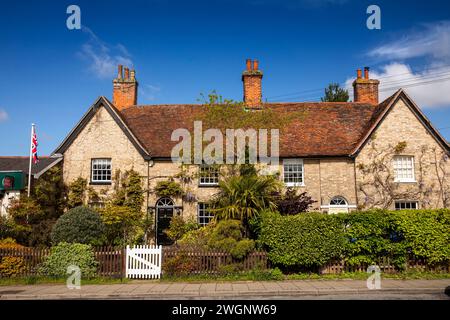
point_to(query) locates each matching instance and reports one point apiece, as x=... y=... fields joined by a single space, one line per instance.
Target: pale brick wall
x=402 y=125
x=101 y=138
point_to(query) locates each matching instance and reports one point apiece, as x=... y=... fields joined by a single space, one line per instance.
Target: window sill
x=290 y=184
x=100 y=183
x=208 y=185
x=405 y=181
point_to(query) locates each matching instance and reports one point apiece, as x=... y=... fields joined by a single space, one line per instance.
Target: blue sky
x=50 y=75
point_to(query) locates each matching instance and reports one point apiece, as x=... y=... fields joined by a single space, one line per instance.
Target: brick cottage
x=346 y=155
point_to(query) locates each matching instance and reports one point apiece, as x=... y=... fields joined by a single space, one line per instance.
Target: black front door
x=164 y=216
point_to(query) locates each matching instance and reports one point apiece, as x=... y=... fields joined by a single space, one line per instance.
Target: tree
x=79 y=225
x=49 y=192
x=292 y=203
x=334 y=93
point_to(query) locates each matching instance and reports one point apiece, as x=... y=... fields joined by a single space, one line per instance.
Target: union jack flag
x=34 y=145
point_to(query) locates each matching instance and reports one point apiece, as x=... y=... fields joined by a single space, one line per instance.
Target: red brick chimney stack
x=125 y=88
x=251 y=79
x=365 y=89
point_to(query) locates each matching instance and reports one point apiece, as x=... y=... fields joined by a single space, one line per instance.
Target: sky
x=50 y=75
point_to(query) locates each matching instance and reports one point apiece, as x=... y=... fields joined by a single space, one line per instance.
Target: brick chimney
x=365 y=89
x=125 y=89
x=251 y=79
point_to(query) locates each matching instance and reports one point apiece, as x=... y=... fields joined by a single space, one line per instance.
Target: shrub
x=306 y=240
x=426 y=233
x=66 y=254
x=121 y=223
x=197 y=238
x=228 y=236
x=179 y=227
x=78 y=225
x=180 y=265
x=291 y=203
x=11 y=266
x=370 y=236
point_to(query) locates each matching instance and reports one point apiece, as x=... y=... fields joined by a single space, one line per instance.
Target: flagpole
x=31 y=156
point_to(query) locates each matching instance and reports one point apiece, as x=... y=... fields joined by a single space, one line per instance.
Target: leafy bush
x=180 y=265
x=314 y=239
x=228 y=236
x=79 y=225
x=426 y=233
x=306 y=240
x=11 y=266
x=292 y=203
x=372 y=235
x=121 y=223
x=66 y=254
x=179 y=227
x=197 y=238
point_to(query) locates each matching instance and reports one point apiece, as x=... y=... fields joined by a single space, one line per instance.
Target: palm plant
x=244 y=196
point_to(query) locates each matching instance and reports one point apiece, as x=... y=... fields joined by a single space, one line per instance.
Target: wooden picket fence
x=111 y=259
x=212 y=261
x=385 y=265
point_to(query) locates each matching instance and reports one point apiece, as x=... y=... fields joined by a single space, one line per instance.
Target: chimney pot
x=359 y=73
x=133 y=74
x=255 y=64
x=249 y=64
x=127 y=73
x=366 y=73
x=120 y=73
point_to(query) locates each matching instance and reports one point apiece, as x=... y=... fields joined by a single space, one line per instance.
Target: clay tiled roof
x=325 y=129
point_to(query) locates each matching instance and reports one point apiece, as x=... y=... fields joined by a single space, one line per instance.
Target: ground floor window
x=338 y=205
x=404 y=205
x=205 y=216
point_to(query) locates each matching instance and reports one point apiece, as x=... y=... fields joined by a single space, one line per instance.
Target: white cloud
x=430 y=87
x=102 y=57
x=149 y=92
x=432 y=40
x=3 y=115
x=426 y=88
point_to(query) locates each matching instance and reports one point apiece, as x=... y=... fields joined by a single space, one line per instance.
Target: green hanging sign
x=12 y=180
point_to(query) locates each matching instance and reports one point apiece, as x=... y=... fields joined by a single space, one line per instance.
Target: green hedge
x=316 y=239
x=304 y=240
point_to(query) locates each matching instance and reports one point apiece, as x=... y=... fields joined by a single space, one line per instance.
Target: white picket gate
x=143 y=262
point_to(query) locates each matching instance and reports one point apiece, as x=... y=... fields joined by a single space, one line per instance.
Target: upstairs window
x=405 y=205
x=404 y=169
x=293 y=172
x=209 y=175
x=204 y=214
x=101 y=171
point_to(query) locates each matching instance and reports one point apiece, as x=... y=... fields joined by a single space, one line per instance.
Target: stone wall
x=401 y=129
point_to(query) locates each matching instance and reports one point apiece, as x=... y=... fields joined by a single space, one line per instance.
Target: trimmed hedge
x=311 y=240
x=304 y=240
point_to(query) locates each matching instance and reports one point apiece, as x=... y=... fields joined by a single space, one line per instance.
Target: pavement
x=293 y=289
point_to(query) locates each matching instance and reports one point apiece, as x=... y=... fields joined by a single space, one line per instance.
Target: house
x=361 y=154
x=14 y=177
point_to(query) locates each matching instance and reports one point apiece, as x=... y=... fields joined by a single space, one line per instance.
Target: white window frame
x=208 y=183
x=203 y=213
x=402 y=160
x=101 y=161
x=294 y=162
x=405 y=202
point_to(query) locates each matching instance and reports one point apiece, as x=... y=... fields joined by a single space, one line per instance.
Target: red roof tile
x=326 y=129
